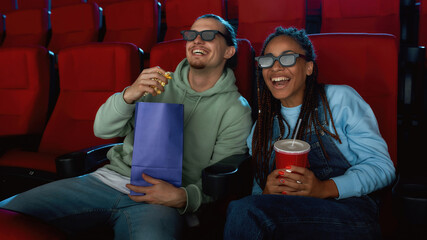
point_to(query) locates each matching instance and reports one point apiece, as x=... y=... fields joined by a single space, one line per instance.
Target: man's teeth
x=278 y=79
x=199 y=51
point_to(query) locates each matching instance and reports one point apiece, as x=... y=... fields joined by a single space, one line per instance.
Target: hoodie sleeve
x=113 y=118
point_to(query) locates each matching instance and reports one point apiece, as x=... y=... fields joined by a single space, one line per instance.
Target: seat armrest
x=230 y=176
x=410 y=199
x=83 y=161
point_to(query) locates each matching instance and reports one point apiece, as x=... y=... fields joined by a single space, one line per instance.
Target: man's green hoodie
x=216 y=125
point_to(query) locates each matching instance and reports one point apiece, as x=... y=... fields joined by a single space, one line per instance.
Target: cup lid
x=285 y=146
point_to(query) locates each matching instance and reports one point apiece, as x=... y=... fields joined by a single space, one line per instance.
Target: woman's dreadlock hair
x=269 y=108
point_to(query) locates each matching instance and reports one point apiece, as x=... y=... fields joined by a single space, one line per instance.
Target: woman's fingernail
x=288 y=167
x=287 y=170
x=282 y=180
x=281 y=173
x=284 y=193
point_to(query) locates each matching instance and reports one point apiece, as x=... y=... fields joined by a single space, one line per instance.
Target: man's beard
x=197 y=64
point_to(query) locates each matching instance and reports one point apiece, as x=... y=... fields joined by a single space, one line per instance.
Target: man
x=216 y=124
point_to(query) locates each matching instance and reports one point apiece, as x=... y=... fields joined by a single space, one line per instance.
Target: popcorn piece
x=167 y=75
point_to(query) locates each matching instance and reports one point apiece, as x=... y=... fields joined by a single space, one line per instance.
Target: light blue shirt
x=362 y=145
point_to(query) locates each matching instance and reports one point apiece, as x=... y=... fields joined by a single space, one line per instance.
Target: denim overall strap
x=324 y=168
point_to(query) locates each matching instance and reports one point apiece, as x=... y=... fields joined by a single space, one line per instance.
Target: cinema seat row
x=50 y=92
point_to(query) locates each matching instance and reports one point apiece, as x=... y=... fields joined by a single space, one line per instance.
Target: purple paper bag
x=158 y=143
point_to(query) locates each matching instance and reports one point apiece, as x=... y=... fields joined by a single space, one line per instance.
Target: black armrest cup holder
x=230 y=176
x=70 y=164
x=80 y=162
x=410 y=200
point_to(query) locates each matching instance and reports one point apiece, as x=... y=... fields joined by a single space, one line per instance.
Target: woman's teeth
x=278 y=79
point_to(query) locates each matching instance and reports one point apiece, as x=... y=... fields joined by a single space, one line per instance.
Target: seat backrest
x=74 y=24
x=7 y=6
x=102 y=3
x=368 y=63
x=24 y=90
x=363 y=16
x=27 y=27
x=60 y=3
x=168 y=54
x=181 y=14
x=33 y=4
x=88 y=75
x=134 y=21
x=259 y=18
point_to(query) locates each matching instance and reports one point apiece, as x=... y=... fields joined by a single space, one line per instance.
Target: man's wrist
x=181 y=198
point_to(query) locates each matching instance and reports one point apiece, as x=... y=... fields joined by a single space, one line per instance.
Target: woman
x=348 y=158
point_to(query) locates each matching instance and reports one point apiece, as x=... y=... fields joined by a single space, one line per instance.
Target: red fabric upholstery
x=168 y=54
x=24 y=90
x=27 y=27
x=102 y=3
x=14 y=225
x=364 y=16
x=368 y=63
x=73 y=25
x=60 y=3
x=7 y=6
x=181 y=14
x=258 y=18
x=88 y=74
x=135 y=21
x=32 y=4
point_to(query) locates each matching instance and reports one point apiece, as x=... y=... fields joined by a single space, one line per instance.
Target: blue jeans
x=78 y=204
x=295 y=217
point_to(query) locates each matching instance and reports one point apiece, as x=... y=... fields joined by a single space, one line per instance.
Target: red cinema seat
x=181 y=14
x=259 y=18
x=7 y=6
x=134 y=21
x=168 y=54
x=24 y=101
x=88 y=75
x=14 y=226
x=33 y=4
x=370 y=61
x=73 y=25
x=363 y=16
x=24 y=90
x=27 y=27
x=60 y=3
x=370 y=67
x=102 y=3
